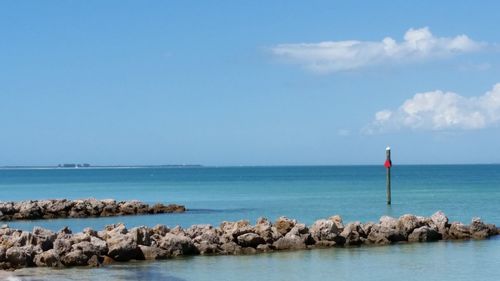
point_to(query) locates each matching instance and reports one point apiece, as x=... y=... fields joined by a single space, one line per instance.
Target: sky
x=249 y=82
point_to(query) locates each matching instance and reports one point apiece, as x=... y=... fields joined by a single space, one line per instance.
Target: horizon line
x=118 y=166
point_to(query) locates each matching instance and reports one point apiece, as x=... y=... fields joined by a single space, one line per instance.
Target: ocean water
x=215 y=194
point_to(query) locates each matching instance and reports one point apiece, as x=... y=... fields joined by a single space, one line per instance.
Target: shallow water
x=469 y=260
x=305 y=193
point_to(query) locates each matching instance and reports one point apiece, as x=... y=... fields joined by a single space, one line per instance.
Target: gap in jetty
x=116 y=243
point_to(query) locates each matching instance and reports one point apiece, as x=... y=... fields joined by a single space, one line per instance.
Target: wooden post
x=388 y=165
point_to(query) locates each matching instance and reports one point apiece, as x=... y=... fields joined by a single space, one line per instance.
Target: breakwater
x=116 y=243
x=63 y=208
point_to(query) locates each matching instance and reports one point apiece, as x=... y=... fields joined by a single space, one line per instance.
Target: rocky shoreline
x=63 y=208
x=116 y=243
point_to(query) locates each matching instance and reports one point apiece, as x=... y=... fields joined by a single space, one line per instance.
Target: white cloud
x=332 y=56
x=438 y=110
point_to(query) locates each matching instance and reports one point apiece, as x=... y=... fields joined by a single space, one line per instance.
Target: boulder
x=353 y=234
x=207 y=248
x=338 y=221
x=48 y=258
x=74 y=258
x=88 y=248
x=142 y=235
x=297 y=238
x=230 y=248
x=480 y=230
x=424 y=234
x=122 y=248
x=153 y=253
x=440 y=222
x=382 y=234
x=266 y=230
x=250 y=240
x=327 y=230
x=389 y=222
x=407 y=223
x=459 y=231
x=62 y=245
x=284 y=225
x=178 y=245
x=231 y=230
x=160 y=229
x=44 y=237
x=18 y=256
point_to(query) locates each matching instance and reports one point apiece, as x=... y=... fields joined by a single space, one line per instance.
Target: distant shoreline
x=175 y=166
x=97 y=167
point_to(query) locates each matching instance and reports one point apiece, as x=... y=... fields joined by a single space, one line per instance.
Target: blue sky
x=248 y=82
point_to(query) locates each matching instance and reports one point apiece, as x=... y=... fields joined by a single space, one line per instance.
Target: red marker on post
x=388 y=165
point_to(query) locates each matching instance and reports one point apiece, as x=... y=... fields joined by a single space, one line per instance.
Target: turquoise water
x=305 y=193
x=441 y=261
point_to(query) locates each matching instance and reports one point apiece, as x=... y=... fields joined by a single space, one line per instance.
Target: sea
x=306 y=193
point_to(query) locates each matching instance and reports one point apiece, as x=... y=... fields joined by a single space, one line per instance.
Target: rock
x=250 y=240
x=95 y=261
x=389 y=222
x=160 y=229
x=289 y=243
x=424 y=234
x=27 y=210
x=74 y=258
x=459 y=231
x=18 y=256
x=161 y=209
x=326 y=230
x=480 y=230
x=407 y=223
x=382 y=234
x=297 y=238
x=205 y=247
x=122 y=248
x=440 y=222
x=44 y=237
x=42 y=247
x=62 y=208
x=284 y=225
x=153 y=253
x=178 y=245
x=62 y=245
x=48 y=258
x=231 y=230
x=132 y=207
x=90 y=232
x=204 y=232
x=353 y=234
x=99 y=245
x=142 y=235
x=265 y=248
x=338 y=221
x=88 y=249
x=107 y=260
x=266 y=230
x=248 y=251
x=63 y=231
x=230 y=248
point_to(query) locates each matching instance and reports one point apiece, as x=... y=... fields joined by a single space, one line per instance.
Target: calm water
x=305 y=193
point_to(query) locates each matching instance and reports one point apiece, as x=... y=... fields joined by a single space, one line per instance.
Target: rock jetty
x=63 y=208
x=116 y=243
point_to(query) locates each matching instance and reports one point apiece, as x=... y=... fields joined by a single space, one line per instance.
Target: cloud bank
x=438 y=110
x=333 y=56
